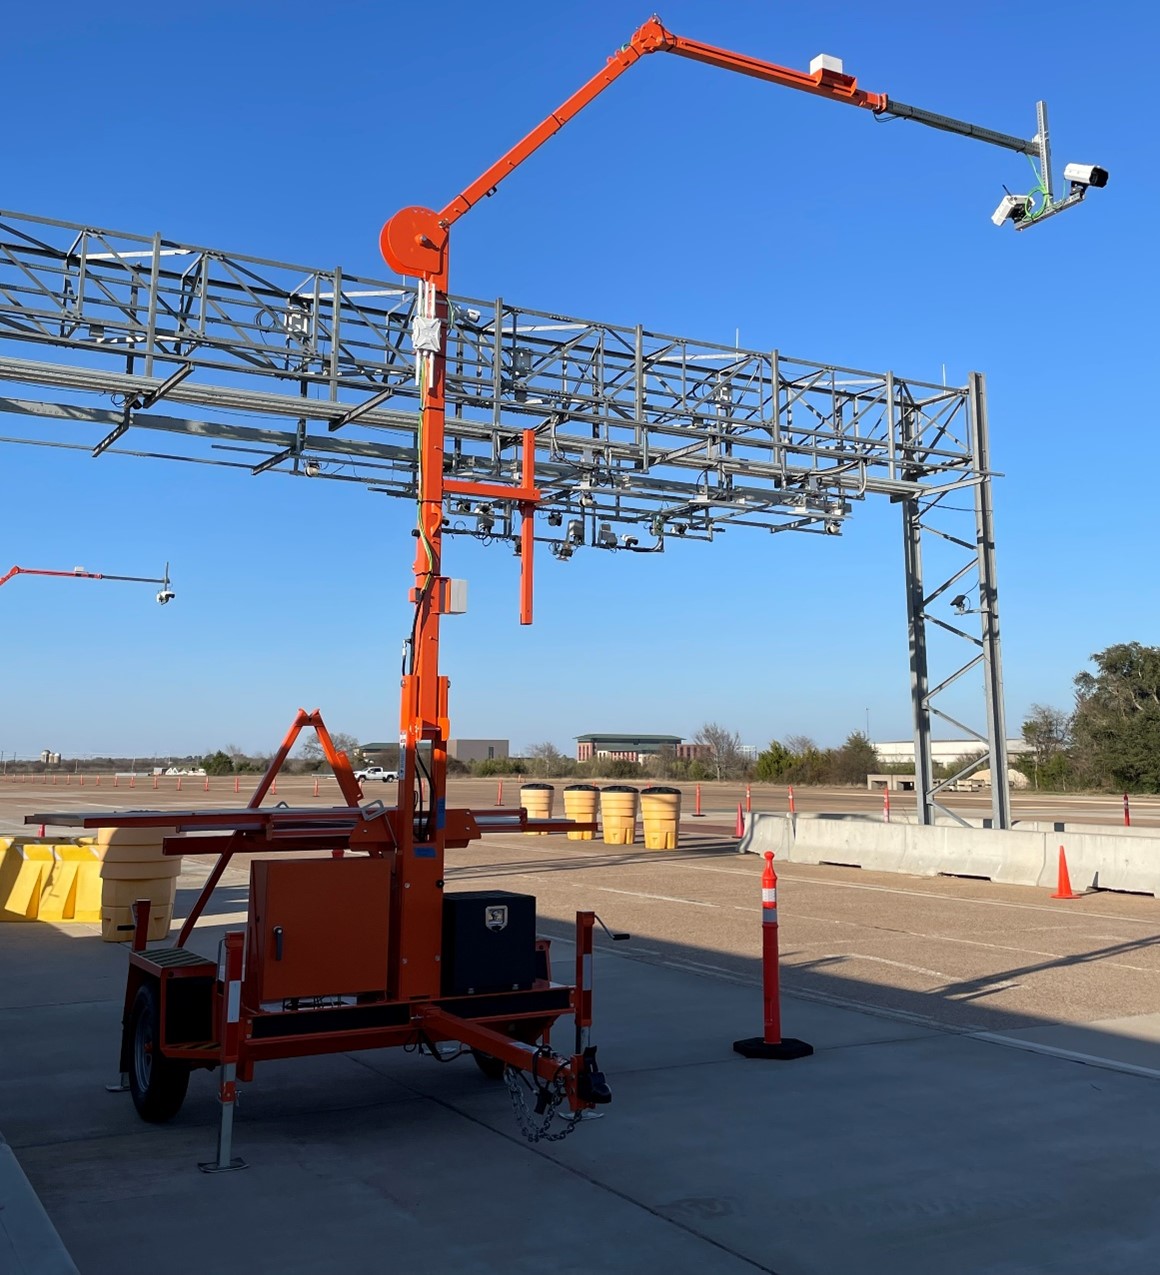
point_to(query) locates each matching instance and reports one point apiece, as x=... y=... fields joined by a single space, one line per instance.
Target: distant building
x=387 y=754
x=626 y=747
x=477 y=749
x=901 y=752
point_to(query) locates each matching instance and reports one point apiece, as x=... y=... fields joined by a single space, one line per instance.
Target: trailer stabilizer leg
x=226 y=1161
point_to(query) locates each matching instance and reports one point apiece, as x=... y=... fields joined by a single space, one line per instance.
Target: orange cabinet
x=318 y=927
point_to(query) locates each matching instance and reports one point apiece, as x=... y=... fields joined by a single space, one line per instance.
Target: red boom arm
x=414 y=241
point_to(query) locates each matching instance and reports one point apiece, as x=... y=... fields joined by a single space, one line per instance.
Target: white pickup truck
x=377 y=772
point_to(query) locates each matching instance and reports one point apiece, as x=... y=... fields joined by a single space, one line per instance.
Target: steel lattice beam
x=106 y=334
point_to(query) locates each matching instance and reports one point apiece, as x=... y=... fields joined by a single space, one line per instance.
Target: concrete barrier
x=1106 y=861
x=880 y=847
x=1012 y=858
x=767 y=832
x=1027 y=855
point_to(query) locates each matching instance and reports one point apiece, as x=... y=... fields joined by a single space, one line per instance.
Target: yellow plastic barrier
x=59 y=890
x=580 y=802
x=660 y=811
x=23 y=872
x=618 y=814
x=87 y=890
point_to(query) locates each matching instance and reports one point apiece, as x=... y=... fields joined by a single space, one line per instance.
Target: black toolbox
x=489 y=942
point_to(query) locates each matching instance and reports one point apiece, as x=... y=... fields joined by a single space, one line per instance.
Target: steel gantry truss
x=119 y=343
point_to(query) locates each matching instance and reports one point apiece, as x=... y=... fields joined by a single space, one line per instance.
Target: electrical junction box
x=489 y=942
x=452 y=597
x=824 y=62
x=317 y=927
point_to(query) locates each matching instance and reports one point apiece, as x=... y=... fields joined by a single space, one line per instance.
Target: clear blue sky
x=686 y=199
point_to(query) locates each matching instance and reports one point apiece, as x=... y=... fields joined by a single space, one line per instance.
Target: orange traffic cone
x=1063 y=890
x=739 y=827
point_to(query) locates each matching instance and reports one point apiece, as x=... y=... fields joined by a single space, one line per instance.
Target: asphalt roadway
x=981 y=1099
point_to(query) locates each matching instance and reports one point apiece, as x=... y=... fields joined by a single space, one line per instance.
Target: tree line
x=1110 y=737
x=721 y=755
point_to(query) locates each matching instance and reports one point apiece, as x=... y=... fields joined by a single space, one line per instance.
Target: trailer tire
x=492 y=1067
x=157 y=1083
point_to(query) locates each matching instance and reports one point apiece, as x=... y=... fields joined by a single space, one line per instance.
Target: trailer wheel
x=157 y=1083
x=492 y=1067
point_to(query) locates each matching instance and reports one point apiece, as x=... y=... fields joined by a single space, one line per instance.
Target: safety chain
x=535 y=1125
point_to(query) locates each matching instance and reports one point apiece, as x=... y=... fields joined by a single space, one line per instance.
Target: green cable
x=1040 y=190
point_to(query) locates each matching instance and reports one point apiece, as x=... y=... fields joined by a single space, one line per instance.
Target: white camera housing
x=1011 y=208
x=166 y=595
x=1086 y=175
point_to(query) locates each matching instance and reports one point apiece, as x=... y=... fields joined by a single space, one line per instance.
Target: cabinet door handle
x=277 y=942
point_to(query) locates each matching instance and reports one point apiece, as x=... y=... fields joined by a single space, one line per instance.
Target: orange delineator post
x=771 y=1043
x=1063 y=889
x=790 y=794
x=697 y=811
x=499 y=794
x=886 y=805
x=748 y=799
x=316 y=787
x=1127 y=813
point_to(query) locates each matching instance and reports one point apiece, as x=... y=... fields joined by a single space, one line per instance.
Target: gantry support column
x=989 y=605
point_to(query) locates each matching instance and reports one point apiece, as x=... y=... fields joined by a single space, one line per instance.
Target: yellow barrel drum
x=536 y=799
x=660 y=810
x=580 y=803
x=618 y=814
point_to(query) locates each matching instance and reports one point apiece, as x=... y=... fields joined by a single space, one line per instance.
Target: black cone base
x=788 y=1048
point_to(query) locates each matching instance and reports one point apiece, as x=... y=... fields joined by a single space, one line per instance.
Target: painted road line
x=662 y=898
x=1068 y=1055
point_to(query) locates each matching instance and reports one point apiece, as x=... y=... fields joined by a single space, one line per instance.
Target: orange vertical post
x=527 y=528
